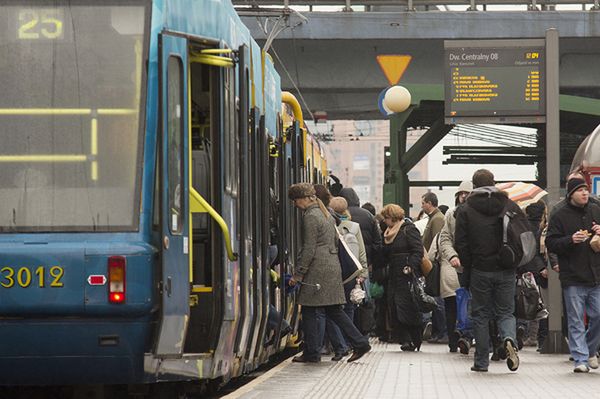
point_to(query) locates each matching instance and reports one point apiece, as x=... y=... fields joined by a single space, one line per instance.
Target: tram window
x=72 y=79
x=175 y=144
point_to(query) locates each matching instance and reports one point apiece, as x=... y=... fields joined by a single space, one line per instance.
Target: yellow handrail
x=207 y=57
x=200 y=205
x=290 y=99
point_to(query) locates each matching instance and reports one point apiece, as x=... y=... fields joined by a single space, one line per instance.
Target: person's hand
x=596 y=228
x=579 y=236
x=359 y=280
x=407 y=270
x=455 y=262
x=544 y=273
x=556 y=268
x=292 y=282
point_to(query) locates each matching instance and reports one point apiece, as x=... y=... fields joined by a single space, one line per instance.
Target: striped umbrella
x=524 y=194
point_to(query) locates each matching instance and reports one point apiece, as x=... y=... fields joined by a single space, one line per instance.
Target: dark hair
x=431 y=198
x=443 y=208
x=483 y=178
x=323 y=193
x=369 y=207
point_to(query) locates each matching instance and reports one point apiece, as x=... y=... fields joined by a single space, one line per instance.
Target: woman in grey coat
x=319 y=272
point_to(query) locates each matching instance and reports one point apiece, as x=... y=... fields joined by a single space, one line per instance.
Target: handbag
x=357 y=295
x=364 y=317
x=425 y=303
x=432 y=279
x=528 y=299
x=426 y=264
x=351 y=266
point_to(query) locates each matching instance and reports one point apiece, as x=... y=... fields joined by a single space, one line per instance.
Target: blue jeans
x=493 y=298
x=438 y=320
x=313 y=326
x=580 y=299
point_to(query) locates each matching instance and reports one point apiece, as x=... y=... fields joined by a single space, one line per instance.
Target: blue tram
x=143 y=216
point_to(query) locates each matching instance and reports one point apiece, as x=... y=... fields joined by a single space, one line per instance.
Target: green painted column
x=397 y=190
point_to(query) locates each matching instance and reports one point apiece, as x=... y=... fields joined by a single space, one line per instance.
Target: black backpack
x=518 y=241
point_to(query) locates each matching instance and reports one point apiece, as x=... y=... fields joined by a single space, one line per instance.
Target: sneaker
x=464 y=346
x=427 y=331
x=582 y=368
x=512 y=357
x=593 y=362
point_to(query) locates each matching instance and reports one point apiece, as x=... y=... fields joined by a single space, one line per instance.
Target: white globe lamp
x=397 y=99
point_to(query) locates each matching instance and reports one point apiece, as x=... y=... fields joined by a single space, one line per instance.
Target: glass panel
x=69 y=114
x=175 y=143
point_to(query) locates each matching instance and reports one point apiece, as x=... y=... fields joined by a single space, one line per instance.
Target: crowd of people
x=467 y=243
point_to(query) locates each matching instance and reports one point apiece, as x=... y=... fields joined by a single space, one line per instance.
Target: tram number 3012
x=24 y=277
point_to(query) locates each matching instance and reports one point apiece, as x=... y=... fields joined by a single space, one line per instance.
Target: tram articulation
x=143 y=151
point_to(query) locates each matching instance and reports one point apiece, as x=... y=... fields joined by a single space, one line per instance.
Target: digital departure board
x=495 y=81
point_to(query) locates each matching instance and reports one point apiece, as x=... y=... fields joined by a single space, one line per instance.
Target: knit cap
x=575 y=184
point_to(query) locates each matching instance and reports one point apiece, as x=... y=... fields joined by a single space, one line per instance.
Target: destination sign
x=494 y=82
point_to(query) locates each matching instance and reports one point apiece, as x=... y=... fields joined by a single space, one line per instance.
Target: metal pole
x=554 y=342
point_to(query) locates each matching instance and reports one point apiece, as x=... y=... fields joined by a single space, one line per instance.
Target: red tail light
x=116 y=279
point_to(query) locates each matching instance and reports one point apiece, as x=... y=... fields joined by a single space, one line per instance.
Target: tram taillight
x=116 y=279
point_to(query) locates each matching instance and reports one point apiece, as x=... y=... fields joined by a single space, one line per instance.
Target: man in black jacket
x=569 y=231
x=478 y=240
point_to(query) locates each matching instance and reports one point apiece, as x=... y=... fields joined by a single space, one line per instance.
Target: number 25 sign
x=37 y=24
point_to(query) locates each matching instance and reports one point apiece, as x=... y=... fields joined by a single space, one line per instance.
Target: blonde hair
x=393 y=211
x=340 y=206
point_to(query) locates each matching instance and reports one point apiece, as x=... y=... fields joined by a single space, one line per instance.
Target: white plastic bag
x=357 y=295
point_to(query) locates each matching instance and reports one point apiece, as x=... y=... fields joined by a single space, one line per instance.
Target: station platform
x=387 y=372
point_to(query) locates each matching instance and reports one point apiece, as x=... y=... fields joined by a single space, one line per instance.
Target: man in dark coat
x=478 y=241
x=368 y=226
x=569 y=230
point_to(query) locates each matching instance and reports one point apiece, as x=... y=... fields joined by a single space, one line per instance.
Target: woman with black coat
x=402 y=254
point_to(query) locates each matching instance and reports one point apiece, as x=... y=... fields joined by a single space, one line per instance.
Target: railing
x=424 y=5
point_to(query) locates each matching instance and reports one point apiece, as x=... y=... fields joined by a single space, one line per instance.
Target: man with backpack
x=478 y=241
x=570 y=231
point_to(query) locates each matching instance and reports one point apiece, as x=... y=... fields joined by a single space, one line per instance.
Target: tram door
x=174 y=196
